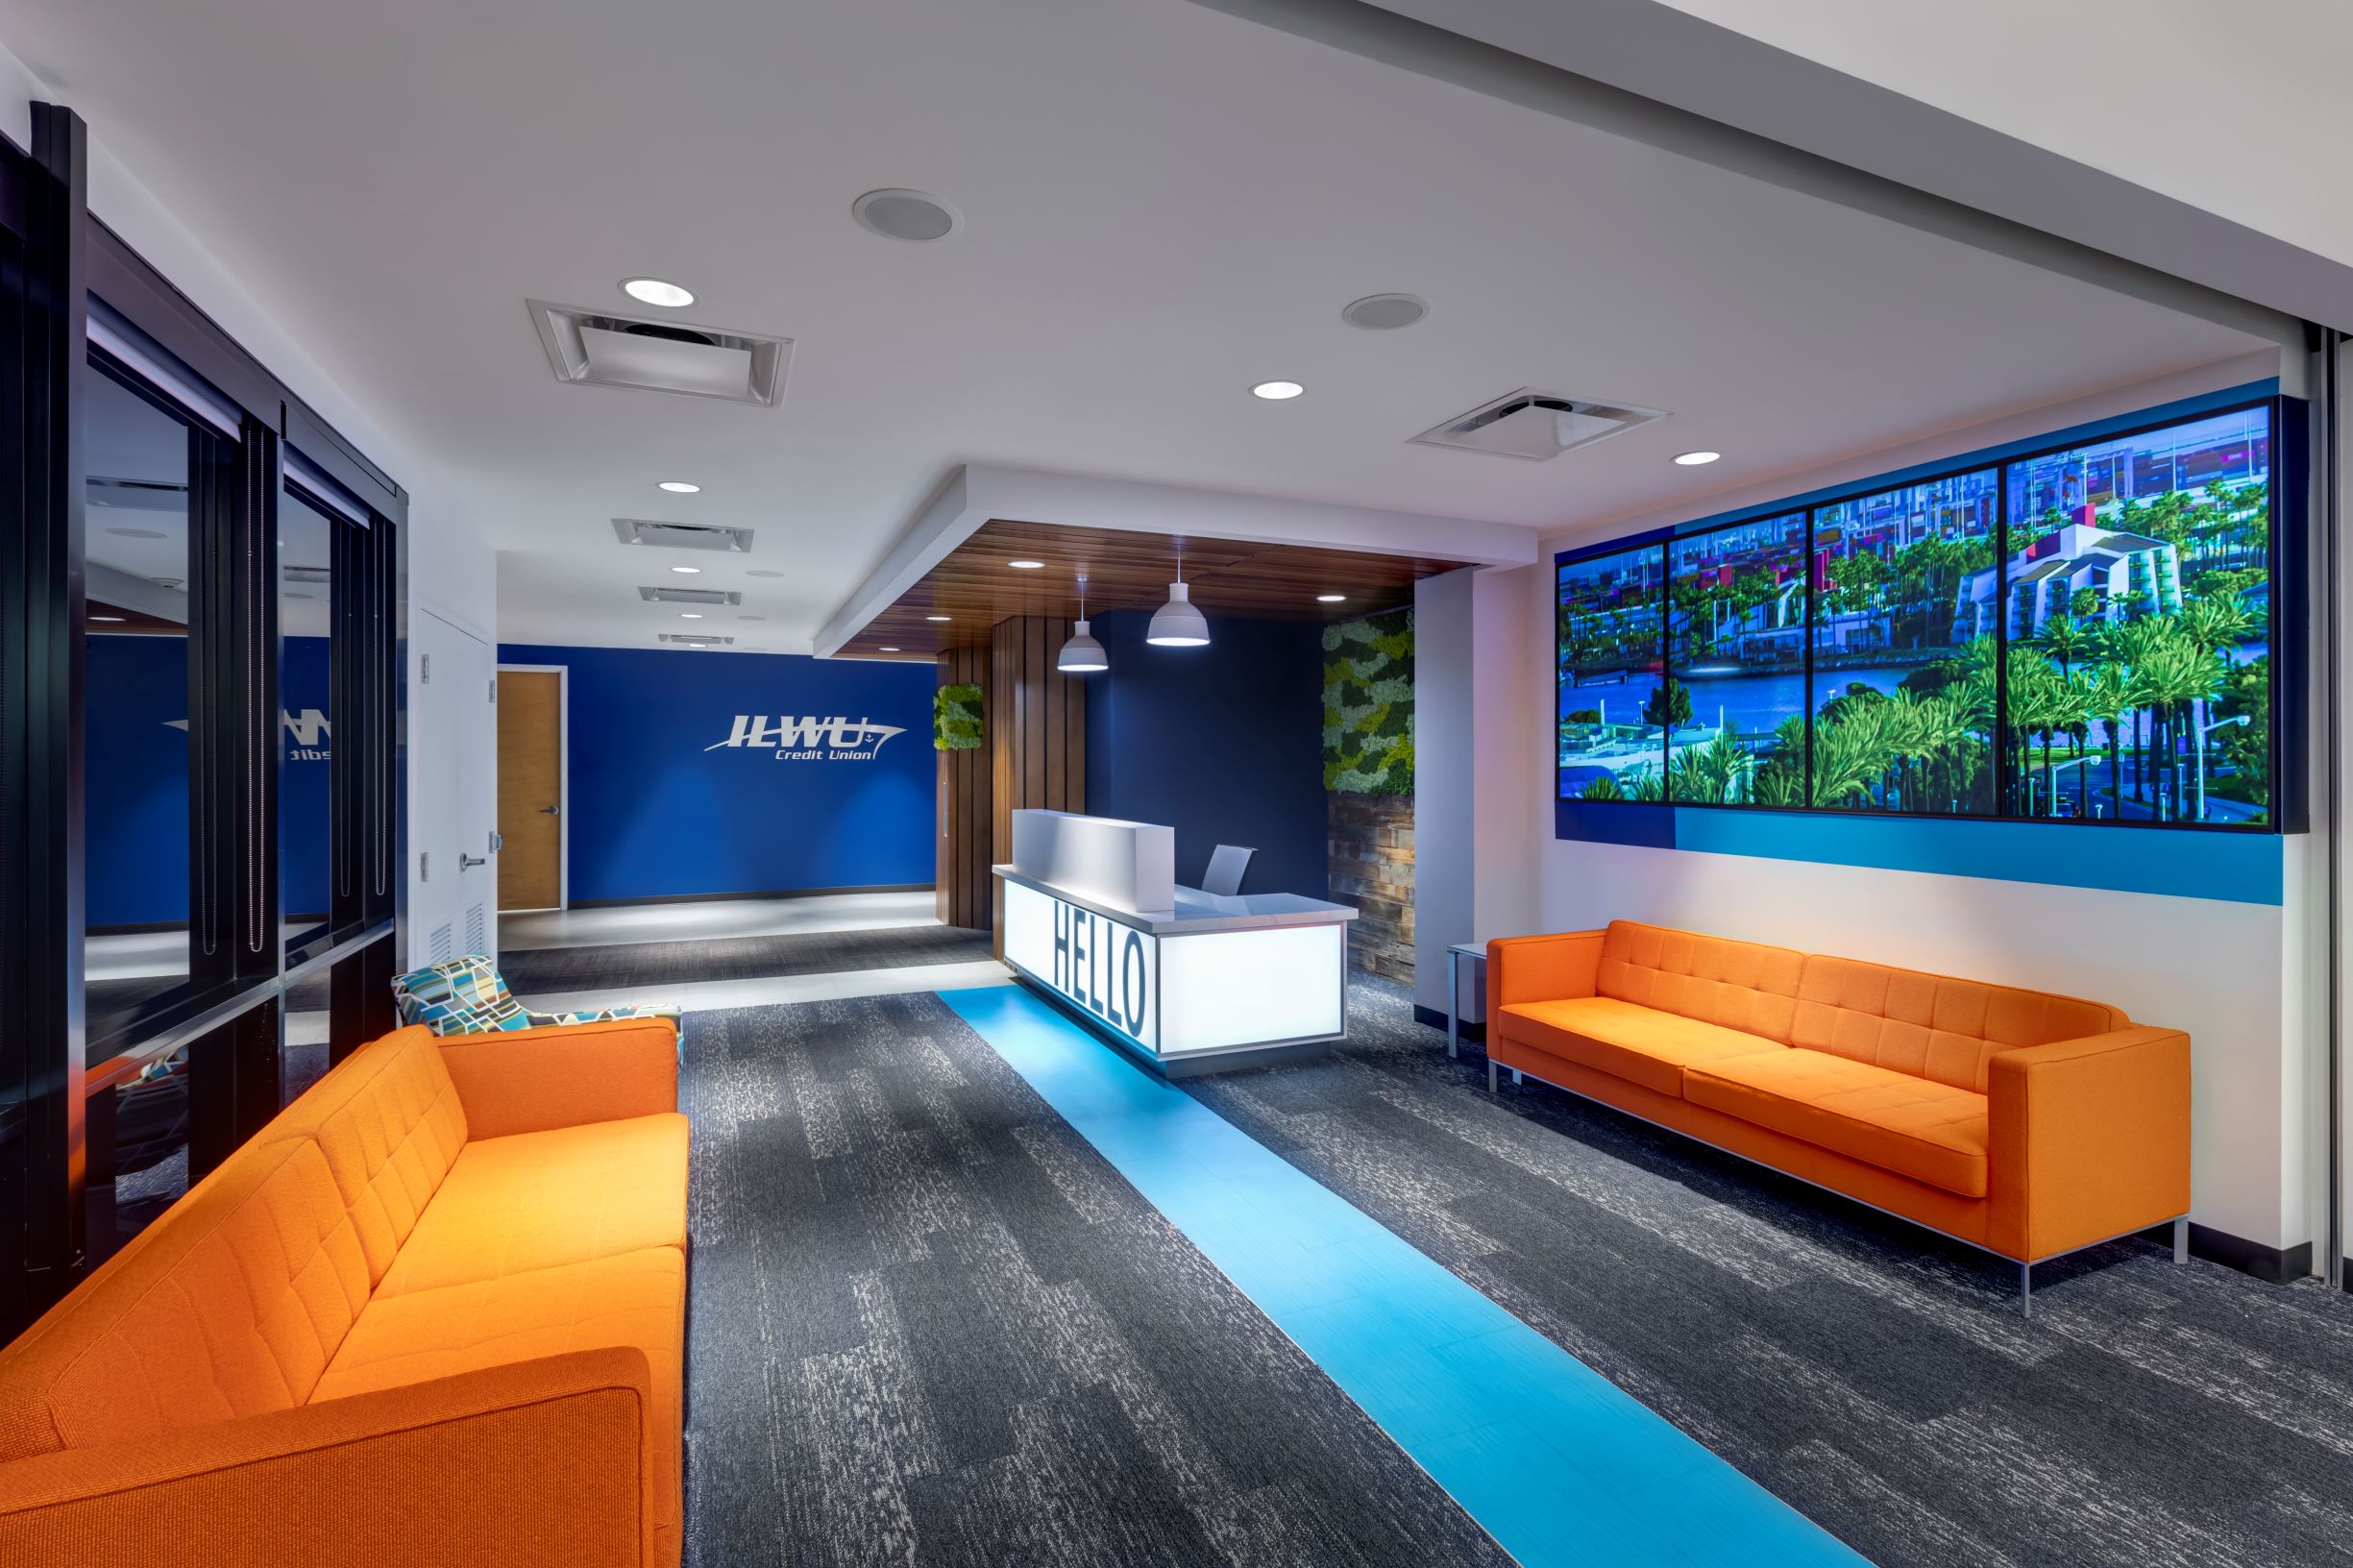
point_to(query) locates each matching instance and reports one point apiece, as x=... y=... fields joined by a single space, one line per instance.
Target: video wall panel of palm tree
x=1735 y=700
x=1613 y=701
x=1903 y=683
x=2137 y=600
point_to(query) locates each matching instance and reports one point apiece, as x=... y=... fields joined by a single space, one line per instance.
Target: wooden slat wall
x=1037 y=724
x=966 y=835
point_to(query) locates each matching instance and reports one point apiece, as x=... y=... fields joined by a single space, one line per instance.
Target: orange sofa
x=433 y=1314
x=2023 y=1123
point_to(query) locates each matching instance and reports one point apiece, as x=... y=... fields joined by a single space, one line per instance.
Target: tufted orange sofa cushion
x=1733 y=985
x=1928 y=1025
x=1917 y=1127
x=369 y=1254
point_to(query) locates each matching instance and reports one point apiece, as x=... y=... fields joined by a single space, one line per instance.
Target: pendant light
x=1177 y=623
x=1082 y=654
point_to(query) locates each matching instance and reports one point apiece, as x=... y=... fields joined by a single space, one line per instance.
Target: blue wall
x=662 y=806
x=137 y=789
x=1223 y=743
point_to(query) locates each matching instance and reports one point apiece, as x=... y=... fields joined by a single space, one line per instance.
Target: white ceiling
x=1163 y=205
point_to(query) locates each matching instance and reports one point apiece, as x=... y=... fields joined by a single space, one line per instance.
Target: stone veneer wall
x=1372 y=868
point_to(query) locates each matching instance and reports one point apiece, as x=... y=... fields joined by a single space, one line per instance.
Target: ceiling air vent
x=638 y=530
x=695 y=638
x=595 y=348
x=690 y=596
x=1536 y=426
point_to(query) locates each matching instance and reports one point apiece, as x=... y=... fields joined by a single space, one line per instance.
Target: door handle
x=551 y=811
x=466 y=861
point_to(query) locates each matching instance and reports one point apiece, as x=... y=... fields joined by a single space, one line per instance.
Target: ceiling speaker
x=1385 y=312
x=904 y=214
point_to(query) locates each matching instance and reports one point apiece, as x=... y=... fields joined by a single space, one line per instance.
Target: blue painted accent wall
x=1224 y=744
x=136 y=788
x=656 y=812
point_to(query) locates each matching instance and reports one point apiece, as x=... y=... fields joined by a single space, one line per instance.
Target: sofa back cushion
x=390 y=1123
x=1736 y=985
x=229 y=1305
x=1929 y=1025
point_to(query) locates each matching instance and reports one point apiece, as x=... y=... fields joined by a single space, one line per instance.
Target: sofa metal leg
x=1490 y=1076
x=2181 y=1240
x=2025 y=1290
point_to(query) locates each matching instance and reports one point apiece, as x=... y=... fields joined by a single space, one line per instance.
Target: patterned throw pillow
x=468 y=996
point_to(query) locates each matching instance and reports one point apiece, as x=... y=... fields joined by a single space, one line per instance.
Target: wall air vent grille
x=1536 y=426
x=695 y=638
x=690 y=596
x=638 y=530
x=596 y=348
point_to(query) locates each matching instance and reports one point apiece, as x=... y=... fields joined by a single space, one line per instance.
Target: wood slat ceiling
x=975 y=588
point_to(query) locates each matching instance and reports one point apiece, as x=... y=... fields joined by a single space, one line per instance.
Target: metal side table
x=1461 y=952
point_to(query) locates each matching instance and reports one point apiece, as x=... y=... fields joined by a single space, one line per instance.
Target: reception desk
x=1202 y=984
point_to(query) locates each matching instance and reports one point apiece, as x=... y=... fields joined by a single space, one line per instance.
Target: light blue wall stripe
x=1547 y=1454
x=2237 y=867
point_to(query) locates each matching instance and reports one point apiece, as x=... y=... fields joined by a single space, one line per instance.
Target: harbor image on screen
x=1614 y=706
x=1904 y=665
x=2137 y=598
x=1735 y=705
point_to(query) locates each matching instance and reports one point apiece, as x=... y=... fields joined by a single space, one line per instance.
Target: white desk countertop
x=1196 y=911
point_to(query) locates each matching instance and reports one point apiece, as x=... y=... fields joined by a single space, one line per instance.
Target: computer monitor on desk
x=1228 y=865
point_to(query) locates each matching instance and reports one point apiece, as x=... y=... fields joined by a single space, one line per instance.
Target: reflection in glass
x=1905 y=657
x=1735 y=709
x=137 y=1141
x=306 y=556
x=1614 y=703
x=136 y=695
x=2138 y=603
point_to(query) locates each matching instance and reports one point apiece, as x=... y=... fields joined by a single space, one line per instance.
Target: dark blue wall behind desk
x=664 y=807
x=1223 y=743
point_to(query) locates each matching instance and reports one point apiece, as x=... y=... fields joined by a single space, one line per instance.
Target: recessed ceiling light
x=679 y=488
x=890 y=650
x=1277 y=391
x=138 y=533
x=690 y=614
x=904 y=214
x=939 y=617
x=693 y=571
x=1331 y=598
x=1027 y=566
x=112 y=620
x=764 y=573
x=654 y=291
x=1693 y=459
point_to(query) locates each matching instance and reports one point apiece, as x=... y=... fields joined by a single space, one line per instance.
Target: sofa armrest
x=2089 y=1137
x=530 y=1079
x=541 y=1465
x=1548 y=968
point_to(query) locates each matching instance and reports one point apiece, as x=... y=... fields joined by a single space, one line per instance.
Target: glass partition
x=139 y=458
x=306 y=631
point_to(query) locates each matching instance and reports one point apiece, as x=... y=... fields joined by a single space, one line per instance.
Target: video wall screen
x=2078 y=634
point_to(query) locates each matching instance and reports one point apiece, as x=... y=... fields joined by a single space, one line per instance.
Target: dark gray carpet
x=531 y=969
x=1878 y=1379
x=931 y=1326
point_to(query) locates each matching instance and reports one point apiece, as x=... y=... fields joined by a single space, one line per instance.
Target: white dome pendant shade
x=1177 y=623
x=1082 y=654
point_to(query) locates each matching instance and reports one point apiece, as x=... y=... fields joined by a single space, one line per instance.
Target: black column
x=40 y=739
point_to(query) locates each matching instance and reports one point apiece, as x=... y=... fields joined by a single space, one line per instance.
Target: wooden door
x=530 y=789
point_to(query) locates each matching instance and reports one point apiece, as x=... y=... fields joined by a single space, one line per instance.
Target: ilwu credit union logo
x=807 y=740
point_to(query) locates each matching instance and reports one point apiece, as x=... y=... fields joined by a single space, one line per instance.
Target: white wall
x=2241 y=978
x=452 y=570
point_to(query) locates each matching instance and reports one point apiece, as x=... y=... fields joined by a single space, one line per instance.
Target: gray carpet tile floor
x=1877 y=1378
x=929 y=1325
x=932 y=1325
x=738 y=958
